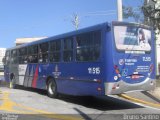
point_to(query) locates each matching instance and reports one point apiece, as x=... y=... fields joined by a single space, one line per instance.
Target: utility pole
x=119 y=10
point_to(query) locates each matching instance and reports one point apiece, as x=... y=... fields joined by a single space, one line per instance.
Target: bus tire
x=52 y=88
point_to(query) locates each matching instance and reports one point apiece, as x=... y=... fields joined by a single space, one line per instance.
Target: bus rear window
x=132 y=38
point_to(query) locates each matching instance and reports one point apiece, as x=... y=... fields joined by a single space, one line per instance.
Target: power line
x=106 y=11
x=100 y=14
x=76 y=21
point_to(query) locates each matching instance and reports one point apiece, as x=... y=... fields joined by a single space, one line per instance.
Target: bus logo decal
x=121 y=61
x=56 y=72
x=124 y=72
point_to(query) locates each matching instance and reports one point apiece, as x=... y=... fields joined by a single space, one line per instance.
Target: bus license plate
x=135 y=76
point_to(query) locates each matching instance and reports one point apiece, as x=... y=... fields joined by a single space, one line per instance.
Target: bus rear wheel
x=52 y=88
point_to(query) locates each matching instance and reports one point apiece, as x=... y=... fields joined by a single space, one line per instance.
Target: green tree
x=151 y=12
x=148 y=14
x=135 y=13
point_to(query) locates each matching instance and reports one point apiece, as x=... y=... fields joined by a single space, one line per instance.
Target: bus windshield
x=132 y=38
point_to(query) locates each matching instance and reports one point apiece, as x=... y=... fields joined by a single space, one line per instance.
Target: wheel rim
x=51 y=88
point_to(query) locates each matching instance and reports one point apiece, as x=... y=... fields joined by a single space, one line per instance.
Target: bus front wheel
x=12 y=80
x=52 y=88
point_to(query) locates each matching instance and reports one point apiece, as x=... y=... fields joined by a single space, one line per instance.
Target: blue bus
x=105 y=59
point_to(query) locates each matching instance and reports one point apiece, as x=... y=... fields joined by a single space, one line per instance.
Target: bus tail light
x=99 y=89
x=97 y=80
x=151 y=68
x=115 y=87
x=116 y=69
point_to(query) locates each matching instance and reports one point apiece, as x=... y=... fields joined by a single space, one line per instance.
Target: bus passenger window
x=55 y=51
x=30 y=59
x=88 y=46
x=67 y=56
x=43 y=58
x=40 y=60
x=7 y=58
x=43 y=53
x=68 y=49
x=33 y=54
x=55 y=57
x=14 y=56
x=25 y=60
x=22 y=56
x=35 y=59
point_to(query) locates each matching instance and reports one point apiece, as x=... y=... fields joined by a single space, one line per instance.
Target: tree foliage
x=152 y=14
x=135 y=13
x=148 y=14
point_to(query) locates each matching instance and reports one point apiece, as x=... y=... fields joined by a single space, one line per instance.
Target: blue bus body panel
x=77 y=81
x=73 y=77
x=69 y=79
x=91 y=78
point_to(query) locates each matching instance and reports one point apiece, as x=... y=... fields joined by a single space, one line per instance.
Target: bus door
x=31 y=68
x=6 y=62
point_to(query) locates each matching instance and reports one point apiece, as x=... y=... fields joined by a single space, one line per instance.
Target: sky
x=39 y=18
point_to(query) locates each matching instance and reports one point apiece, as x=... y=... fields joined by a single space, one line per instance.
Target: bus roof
x=61 y=36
